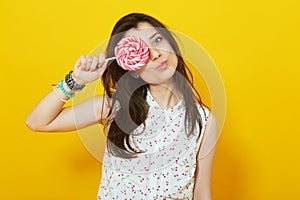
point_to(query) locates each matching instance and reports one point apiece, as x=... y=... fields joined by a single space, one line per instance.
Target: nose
x=154 y=54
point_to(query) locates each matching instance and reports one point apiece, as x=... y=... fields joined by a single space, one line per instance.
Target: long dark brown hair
x=132 y=100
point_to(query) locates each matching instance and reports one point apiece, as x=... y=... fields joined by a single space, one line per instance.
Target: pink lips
x=163 y=65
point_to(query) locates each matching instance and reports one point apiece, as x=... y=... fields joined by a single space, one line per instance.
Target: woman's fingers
x=94 y=63
x=89 y=68
x=82 y=63
x=89 y=63
x=89 y=60
x=101 y=60
x=102 y=64
x=77 y=64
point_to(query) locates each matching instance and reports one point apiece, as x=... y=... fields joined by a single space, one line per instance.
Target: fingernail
x=102 y=56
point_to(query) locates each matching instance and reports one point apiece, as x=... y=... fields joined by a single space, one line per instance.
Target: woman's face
x=162 y=62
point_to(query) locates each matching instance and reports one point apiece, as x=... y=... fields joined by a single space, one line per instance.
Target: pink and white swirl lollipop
x=132 y=53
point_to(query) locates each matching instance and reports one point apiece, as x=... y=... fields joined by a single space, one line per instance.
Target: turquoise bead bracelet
x=60 y=85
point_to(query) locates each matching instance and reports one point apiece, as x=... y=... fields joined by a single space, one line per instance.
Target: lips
x=163 y=65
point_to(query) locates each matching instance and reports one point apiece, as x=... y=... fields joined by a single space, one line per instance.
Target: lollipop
x=132 y=53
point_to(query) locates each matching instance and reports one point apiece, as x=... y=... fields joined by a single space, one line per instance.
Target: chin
x=163 y=80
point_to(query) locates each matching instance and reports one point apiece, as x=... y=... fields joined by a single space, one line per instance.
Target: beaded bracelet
x=60 y=85
x=57 y=95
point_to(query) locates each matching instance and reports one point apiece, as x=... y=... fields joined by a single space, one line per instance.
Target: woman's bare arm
x=50 y=115
x=202 y=189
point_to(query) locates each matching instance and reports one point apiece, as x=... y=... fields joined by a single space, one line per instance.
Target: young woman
x=154 y=117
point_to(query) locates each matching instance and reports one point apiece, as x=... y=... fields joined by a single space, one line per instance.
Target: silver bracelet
x=72 y=84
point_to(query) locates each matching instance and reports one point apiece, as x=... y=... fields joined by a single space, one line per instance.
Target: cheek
x=157 y=77
x=172 y=61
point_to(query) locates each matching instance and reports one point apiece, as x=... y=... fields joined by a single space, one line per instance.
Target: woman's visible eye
x=158 y=39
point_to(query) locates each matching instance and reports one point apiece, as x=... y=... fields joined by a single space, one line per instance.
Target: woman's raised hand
x=89 y=68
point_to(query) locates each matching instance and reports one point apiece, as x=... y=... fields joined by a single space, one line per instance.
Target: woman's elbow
x=34 y=125
x=31 y=125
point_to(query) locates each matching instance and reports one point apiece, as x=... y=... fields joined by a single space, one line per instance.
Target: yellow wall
x=255 y=45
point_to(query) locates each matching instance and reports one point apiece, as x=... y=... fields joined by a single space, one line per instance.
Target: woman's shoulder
x=204 y=111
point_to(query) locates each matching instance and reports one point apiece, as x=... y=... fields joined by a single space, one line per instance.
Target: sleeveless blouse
x=167 y=167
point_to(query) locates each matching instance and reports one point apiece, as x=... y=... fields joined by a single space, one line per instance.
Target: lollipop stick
x=111 y=58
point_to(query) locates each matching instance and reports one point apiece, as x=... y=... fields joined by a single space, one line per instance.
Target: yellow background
x=255 y=45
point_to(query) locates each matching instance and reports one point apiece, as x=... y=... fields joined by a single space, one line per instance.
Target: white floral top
x=166 y=169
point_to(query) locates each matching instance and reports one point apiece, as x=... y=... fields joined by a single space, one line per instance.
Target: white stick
x=111 y=58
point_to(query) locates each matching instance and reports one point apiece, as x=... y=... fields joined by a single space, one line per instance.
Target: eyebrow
x=152 y=36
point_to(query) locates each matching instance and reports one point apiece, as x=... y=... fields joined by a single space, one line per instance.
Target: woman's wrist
x=62 y=92
x=64 y=89
x=73 y=83
x=60 y=95
x=65 y=85
x=77 y=80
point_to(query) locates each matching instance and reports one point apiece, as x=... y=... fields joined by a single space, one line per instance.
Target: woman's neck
x=165 y=95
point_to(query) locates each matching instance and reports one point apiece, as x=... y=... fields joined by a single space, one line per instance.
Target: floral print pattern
x=166 y=169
